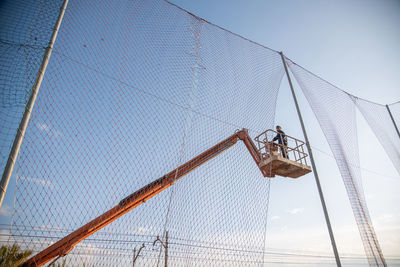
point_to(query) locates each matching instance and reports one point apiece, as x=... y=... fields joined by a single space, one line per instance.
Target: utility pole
x=321 y=195
x=135 y=256
x=165 y=245
x=12 y=158
x=394 y=123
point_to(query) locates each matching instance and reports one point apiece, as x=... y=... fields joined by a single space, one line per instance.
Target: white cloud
x=275 y=218
x=43 y=127
x=387 y=219
x=46 y=128
x=5 y=210
x=295 y=210
x=49 y=227
x=5 y=236
x=143 y=230
x=370 y=196
x=42 y=182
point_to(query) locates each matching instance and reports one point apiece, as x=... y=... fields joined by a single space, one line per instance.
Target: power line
x=210 y=248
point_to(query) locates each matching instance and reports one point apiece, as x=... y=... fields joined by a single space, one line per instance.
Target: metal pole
x=28 y=108
x=135 y=256
x=394 y=123
x=166 y=249
x=165 y=245
x=321 y=196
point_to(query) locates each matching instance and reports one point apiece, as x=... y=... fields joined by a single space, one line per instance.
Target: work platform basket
x=285 y=158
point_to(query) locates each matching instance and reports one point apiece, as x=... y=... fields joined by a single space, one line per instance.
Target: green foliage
x=12 y=255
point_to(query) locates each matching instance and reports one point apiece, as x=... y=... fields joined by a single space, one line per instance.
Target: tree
x=12 y=255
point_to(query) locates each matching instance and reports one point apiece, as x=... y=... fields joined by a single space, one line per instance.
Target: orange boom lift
x=266 y=156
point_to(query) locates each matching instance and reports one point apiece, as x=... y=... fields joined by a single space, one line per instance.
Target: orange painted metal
x=66 y=244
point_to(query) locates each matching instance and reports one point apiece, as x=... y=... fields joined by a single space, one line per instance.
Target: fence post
x=394 y=123
x=321 y=196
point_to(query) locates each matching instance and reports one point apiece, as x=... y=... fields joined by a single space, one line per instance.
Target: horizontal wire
x=21 y=44
x=355 y=165
x=143 y=91
x=235 y=34
x=108 y=240
x=338 y=88
x=194 y=111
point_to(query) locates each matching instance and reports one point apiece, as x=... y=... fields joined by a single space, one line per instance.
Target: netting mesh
x=134 y=89
x=378 y=118
x=24 y=34
x=335 y=112
x=395 y=110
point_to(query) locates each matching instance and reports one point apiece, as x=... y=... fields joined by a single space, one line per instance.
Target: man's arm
x=276 y=138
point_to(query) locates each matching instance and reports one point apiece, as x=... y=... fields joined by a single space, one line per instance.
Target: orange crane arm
x=66 y=244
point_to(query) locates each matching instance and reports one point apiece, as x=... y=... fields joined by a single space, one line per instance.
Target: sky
x=353 y=45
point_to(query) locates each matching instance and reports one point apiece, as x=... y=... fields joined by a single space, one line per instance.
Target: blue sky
x=337 y=40
x=353 y=45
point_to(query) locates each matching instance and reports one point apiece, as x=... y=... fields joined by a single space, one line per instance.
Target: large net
x=24 y=35
x=335 y=112
x=133 y=90
x=380 y=120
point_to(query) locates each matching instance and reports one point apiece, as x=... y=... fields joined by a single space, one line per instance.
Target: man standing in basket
x=282 y=140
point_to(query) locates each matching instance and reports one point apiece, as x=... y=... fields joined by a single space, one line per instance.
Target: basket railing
x=291 y=148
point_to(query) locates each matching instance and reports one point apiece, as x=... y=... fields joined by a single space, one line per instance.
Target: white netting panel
x=335 y=112
x=378 y=118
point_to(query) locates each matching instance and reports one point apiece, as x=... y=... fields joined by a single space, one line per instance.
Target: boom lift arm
x=66 y=244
